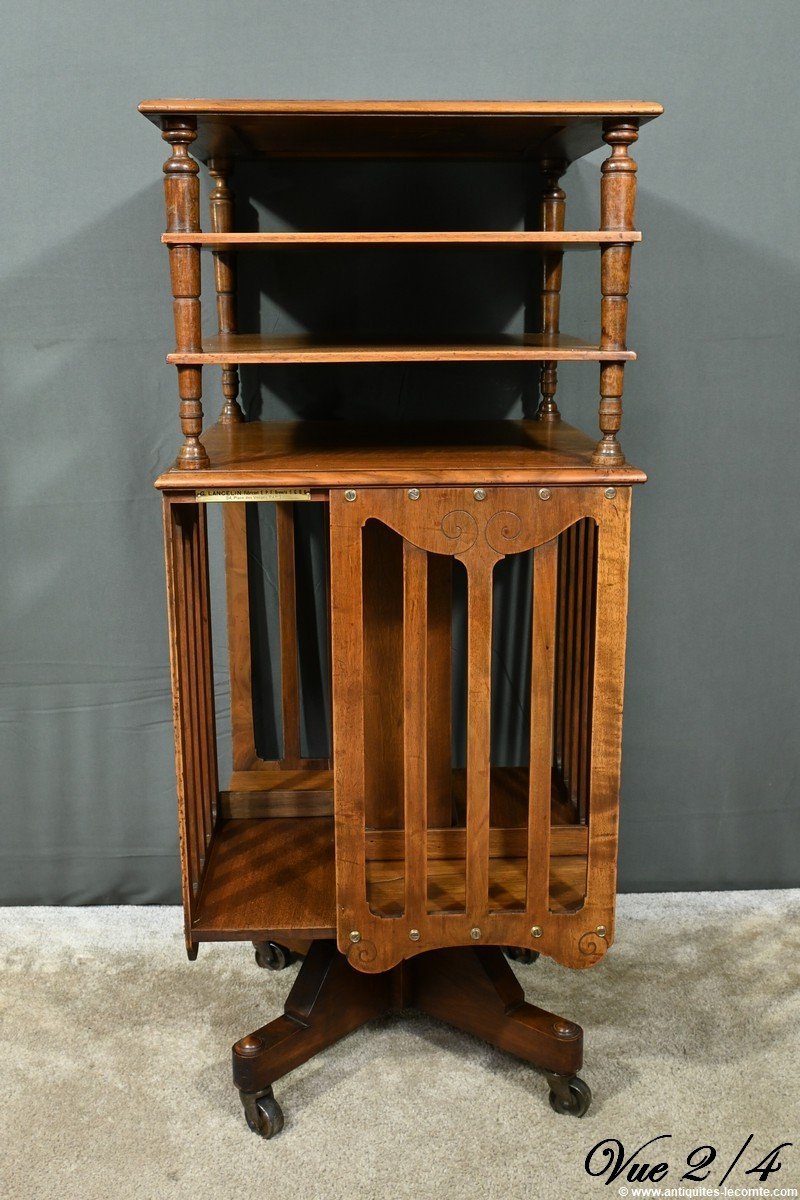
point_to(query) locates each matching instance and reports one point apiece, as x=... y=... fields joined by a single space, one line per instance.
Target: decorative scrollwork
x=592 y=945
x=460 y=527
x=503 y=527
x=362 y=954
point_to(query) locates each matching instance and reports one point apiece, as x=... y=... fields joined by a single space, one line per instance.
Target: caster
x=262 y=1112
x=517 y=954
x=569 y=1095
x=273 y=957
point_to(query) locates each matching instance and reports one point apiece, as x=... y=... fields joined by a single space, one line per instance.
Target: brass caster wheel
x=569 y=1095
x=262 y=1112
x=518 y=954
x=273 y=957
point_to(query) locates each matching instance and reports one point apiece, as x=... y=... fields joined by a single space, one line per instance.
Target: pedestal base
x=471 y=988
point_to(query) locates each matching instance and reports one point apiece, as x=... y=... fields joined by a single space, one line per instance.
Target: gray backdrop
x=710 y=754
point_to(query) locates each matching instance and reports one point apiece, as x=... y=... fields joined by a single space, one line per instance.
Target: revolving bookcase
x=403 y=871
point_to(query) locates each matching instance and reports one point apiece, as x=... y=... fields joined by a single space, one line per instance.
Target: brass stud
x=355 y=937
x=414 y=935
x=544 y=493
x=479 y=493
x=610 y=493
x=564 y=1029
x=350 y=494
x=475 y=934
x=536 y=931
x=249 y=1045
x=601 y=931
x=413 y=493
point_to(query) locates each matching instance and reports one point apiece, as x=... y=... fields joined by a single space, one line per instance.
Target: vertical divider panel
x=234 y=517
x=543 y=640
x=347 y=654
x=415 y=731
x=287 y=618
x=479 y=714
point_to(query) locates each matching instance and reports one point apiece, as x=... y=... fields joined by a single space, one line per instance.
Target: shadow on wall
x=712 y=712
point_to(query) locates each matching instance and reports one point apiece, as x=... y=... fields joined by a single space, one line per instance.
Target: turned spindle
x=617 y=204
x=552 y=209
x=182 y=199
x=221 y=210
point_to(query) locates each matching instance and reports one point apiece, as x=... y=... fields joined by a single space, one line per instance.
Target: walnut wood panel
x=240 y=661
x=185 y=541
x=479 y=532
x=551 y=239
x=351 y=454
x=382 y=581
x=267 y=880
x=397 y=128
x=307 y=348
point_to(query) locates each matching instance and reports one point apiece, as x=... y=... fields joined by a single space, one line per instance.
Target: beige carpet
x=115 y=1065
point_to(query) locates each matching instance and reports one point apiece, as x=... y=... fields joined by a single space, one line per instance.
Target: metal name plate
x=244 y=496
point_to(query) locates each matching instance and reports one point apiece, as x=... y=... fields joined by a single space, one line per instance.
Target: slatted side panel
x=192 y=689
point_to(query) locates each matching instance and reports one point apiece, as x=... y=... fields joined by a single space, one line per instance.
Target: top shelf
x=500 y=130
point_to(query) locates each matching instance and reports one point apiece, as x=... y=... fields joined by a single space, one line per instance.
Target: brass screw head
x=479 y=493
x=544 y=493
x=355 y=937
x=350 y=494
x=413 y=493
x=475 y=934
x=536 y=931
x=414 y=935
x=601 y=931
x=610 y=493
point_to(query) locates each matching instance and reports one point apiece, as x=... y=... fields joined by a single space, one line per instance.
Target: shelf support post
x=182 y=201
x=553 y=205
x=617 y=204
x=221 y=209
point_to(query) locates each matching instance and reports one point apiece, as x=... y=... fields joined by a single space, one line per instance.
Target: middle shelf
x=577 y=239
x=309 y=348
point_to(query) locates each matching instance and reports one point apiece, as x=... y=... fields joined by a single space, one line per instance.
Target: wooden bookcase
x=398 y=874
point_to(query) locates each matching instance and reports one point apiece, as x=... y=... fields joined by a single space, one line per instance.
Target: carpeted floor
x=114 y=1053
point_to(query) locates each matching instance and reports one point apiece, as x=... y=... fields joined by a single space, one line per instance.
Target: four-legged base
x=472 y=988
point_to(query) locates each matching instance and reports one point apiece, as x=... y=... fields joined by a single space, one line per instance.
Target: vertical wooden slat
x=607 y=693
x=348 y=657
x=415 y=707
x=187 y=519
x=577 y=659
x=543 y=642
x=175 y=601
x=479 y=705
x=201 y=684
x=240 y=661
x=206 y=658
x=287 y=610
x=587 y=657
x=439 y=681
x=383 y=675
x=558 y=722
x=569 y=654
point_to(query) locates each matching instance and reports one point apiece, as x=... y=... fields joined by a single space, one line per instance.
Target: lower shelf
x=274 y=877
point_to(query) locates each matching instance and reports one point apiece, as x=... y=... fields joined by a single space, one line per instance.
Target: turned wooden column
x=617 y=204
x=182 y=199
x=553 y=204
x=221 y=206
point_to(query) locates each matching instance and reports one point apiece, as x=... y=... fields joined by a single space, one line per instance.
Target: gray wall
x=711 y=757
